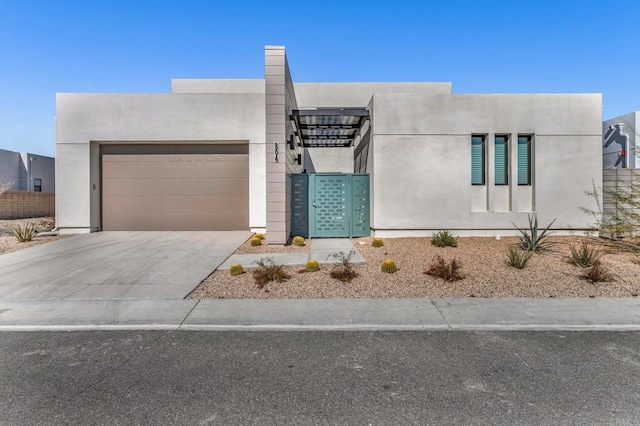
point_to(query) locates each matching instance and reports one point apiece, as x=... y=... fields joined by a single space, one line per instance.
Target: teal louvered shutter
x=477 y=160
x=500 y=155
x=524 y=160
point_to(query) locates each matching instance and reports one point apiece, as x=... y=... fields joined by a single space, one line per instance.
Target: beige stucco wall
x=422 y=162
x=84 y=121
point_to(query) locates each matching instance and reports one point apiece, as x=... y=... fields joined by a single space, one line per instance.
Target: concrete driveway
x=116 y=265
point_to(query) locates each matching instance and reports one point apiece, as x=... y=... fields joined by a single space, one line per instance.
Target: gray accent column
x=276 y=196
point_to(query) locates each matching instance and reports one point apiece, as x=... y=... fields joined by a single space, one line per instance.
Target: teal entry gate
x=330 y=205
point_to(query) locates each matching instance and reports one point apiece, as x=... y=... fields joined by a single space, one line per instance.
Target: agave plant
x=534 y=239
x=25 y=232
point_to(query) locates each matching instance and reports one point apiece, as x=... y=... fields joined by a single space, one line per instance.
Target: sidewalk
x=324 y=314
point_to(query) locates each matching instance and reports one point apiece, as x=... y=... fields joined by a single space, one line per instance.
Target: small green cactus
x=255 y=242
x=298 y=241
x=312 y=266
x=259 y=236
x=389 y=266
x=377 y=242
x=236 y=269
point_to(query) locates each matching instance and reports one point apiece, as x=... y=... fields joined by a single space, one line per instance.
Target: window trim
x=483 y=160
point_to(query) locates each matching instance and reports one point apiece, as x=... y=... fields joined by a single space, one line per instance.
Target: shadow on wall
x=615 y=135
x=308 y=162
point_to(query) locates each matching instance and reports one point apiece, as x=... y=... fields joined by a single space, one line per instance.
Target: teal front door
x=329 y=206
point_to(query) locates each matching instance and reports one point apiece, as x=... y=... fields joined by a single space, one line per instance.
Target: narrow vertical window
x=501 y=154
x=524 y=160
x=37 y=185
x=477 y=160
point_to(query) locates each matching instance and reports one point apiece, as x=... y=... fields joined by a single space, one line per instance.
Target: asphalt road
x=303 y=378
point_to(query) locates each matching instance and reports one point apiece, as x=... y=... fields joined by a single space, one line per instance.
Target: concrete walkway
x=324 y=314
x=116 y=265
x=321 y=250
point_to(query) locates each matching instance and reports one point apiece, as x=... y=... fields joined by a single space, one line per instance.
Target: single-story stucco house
x=324 y=159
x=25 y=171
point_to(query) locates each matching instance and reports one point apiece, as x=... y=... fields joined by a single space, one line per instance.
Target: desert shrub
x=236 y=269
x=533 y=239
x=597 y=273
x=451 y=271
x=24 y=232
x=343 y=270
x=268 y=271
x=444 y=239
x=377 y=242
x=298 y=241
x=389 y=266
x=312 y=266
x=259 y=236
x=517 y=258
x=48 y=223
x=584 y=256
x=255 y=242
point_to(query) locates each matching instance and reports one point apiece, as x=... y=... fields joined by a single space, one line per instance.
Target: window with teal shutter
x=524 y=160
x=501 y=155
x=477 y=160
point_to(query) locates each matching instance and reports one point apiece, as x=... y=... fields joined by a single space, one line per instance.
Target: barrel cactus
x=298 y=241
x=236 y=269
x=259 y=236
x=389 y=266
x=312 y=266
x=255 y=242
x=377 y=242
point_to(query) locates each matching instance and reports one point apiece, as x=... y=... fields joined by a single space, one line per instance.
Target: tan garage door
x=177 y=192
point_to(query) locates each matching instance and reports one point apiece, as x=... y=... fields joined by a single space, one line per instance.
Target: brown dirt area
x=8 y=242
x=483 y=263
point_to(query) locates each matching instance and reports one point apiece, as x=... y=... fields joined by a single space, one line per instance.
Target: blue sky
x=500 y=46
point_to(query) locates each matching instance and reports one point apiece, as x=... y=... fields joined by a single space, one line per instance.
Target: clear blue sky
x=506 y=46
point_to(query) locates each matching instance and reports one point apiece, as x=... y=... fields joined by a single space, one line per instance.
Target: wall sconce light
x=299 y=159
x=292 y=142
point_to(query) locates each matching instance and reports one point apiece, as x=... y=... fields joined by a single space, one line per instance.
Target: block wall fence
x=23 y=204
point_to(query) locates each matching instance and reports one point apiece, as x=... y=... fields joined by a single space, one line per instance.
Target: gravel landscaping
x=487 y=274
x=8 y=243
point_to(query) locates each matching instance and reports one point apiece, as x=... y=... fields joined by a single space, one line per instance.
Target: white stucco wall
x=346 y=95
x=12 y=170
x=86 y=120
x=422 y=161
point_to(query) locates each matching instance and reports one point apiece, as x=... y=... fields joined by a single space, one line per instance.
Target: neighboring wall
x=12 y=170
x=22 y=204
x=84 y=121
x=422 y=162
x=618 y=180
x=625 y=130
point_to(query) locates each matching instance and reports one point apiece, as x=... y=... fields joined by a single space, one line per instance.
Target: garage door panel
x=175 y=192
x=176 y=221
x=175 y=204
x=177 y=158
x=191 y=187
x=174 y=170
